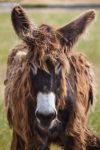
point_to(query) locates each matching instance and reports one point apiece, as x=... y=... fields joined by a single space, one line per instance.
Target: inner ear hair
x=72 y=31
x=20 y=21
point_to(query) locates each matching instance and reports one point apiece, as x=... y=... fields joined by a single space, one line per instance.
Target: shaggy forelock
x=44 y=44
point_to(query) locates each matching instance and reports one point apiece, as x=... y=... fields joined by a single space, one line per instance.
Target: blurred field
x=90 y=45
x=51 y=1
x=59 y=1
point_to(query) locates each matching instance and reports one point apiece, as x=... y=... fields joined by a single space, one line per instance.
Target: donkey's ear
x=74 y=29
x=20 y=21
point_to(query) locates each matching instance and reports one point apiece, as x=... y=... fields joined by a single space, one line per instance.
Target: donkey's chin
x=47 y=126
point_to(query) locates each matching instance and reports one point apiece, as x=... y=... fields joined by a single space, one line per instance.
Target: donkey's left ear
x=74 y=29
x=20 y=21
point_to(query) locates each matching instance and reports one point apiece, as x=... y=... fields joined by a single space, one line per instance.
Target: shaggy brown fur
x=40 y=45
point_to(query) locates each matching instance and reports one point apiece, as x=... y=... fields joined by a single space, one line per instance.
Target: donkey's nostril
x=39 y=115
x=45 y=116
x=51 y=116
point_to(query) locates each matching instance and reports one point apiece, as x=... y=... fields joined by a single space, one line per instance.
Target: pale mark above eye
x=21 y=53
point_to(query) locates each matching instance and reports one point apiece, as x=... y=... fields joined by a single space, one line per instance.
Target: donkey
x=49 y=87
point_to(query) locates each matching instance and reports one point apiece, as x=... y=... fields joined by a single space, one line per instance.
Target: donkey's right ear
x=20 y=21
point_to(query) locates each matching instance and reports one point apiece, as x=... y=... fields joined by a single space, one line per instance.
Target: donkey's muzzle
x=45 y=119
x=46 y=109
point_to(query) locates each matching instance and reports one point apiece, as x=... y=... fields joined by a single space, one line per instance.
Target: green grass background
x=90 y=45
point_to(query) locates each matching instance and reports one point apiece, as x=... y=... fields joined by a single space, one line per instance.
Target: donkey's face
x=46 y=84
x=45 y=88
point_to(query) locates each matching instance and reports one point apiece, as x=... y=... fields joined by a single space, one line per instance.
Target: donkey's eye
x=33 y=68
x=58 y=68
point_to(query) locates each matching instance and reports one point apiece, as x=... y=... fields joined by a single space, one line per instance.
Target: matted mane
x=44 y=46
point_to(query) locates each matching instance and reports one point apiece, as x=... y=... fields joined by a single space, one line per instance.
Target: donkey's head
x=47 y=49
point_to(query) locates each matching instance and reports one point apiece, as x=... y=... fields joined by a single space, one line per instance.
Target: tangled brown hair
x=40 y=45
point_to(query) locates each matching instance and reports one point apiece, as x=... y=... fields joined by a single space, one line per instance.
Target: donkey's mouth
x=48 y=125
x=44 y=125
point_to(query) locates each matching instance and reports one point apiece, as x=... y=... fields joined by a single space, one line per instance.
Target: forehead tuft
x=44 y=45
